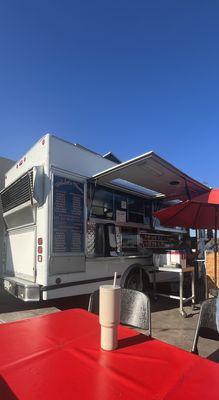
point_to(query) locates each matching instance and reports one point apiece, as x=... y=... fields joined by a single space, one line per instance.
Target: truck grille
x=18 y=192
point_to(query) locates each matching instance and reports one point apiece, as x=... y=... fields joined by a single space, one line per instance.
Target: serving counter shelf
x=181 y=272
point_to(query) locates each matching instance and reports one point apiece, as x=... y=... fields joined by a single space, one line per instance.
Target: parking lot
x=167 y=323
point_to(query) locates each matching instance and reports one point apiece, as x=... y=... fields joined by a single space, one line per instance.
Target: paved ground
x=167 y=324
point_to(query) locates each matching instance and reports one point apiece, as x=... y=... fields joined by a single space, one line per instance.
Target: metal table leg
x=154 y=286
x=180 y=297
x=193 y=289
x=182 y=312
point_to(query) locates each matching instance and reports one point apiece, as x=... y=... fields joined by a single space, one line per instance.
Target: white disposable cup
x=109 y=315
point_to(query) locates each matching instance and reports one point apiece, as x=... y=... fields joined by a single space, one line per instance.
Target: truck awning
x=149 y=171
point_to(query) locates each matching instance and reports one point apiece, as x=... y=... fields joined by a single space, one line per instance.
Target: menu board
x=120 y=216
x=156 y=240
x=68 y=216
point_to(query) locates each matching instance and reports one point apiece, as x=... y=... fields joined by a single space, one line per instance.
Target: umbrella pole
x=215 y=256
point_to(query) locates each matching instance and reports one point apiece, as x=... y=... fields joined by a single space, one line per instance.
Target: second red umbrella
x=201 y=212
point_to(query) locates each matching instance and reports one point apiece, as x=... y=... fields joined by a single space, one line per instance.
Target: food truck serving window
x=129 y=240
x=136 y=209
x=102 y=206
x=115 y=205
x=68 y=216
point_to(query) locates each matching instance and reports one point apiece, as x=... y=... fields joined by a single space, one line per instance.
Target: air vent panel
x=18 y=192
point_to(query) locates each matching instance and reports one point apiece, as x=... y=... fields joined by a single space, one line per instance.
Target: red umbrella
x=201 y=212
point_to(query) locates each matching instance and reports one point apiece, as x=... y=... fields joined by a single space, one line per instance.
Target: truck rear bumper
x=22 y=289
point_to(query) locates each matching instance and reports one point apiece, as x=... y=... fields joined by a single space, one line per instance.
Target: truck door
x=20 y=253
x=19 y=211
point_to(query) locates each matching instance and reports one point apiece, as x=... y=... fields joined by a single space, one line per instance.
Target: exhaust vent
x=18 y=192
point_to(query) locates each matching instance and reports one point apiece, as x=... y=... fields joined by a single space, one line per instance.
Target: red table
x=58 y=356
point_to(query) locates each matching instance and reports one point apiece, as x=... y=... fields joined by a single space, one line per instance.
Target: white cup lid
x=109 y=287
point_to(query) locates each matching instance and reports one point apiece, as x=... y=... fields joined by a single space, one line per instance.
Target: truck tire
x=137 y=279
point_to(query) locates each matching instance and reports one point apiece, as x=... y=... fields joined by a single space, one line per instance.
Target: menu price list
x=148 y=240
x=68 y=216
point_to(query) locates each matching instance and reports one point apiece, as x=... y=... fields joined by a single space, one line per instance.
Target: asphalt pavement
x=167 y=323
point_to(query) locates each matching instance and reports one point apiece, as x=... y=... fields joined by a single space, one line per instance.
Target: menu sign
x=68 y=216
x=120 y=216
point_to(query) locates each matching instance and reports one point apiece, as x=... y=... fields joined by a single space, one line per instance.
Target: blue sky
x=126 y=76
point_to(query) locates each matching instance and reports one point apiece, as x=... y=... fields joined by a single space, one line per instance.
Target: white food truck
x=74 y=217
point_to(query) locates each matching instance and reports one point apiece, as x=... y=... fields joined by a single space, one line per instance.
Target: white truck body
x=47 y=250
x=33 y=219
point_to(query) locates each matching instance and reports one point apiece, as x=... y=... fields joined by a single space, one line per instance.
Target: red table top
x=58 y=356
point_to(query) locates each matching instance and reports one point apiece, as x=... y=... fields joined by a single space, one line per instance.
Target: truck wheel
x=137 y=279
